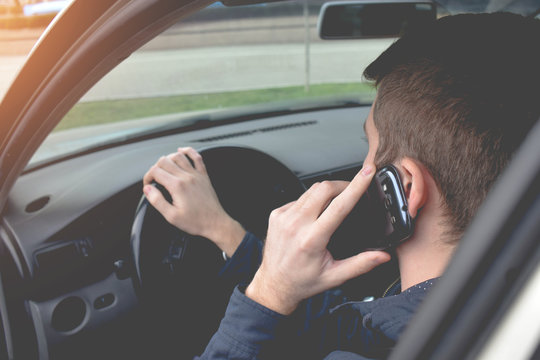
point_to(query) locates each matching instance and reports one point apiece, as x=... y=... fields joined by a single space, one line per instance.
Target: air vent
x=37 y=204
x=260 y=130
x=68 y=314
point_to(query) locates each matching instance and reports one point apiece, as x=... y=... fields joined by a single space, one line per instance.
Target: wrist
x=264 y=294
x=227 y=234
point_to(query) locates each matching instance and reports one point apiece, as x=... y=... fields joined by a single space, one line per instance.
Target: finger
x=160 y=176
x=343 y=203
x=320 y=197
x=346 y=269
x=313 y=189
x=170 y=165
x=156 y=199
x=302 y=199
x=181 y=161
x=339 y=187
x=163 y=163
x=197 y=159
x=149 y=176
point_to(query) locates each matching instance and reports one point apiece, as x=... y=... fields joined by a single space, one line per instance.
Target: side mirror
x=370 y=19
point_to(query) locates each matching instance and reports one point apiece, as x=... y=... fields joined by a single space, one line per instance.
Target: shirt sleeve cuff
x=245 y=261
x=250 y=323
x=247 y=330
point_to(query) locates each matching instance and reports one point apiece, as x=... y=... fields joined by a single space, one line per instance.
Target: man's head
x=458 y=97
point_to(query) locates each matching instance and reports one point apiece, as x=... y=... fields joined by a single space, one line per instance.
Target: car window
x=21 y=24
x=219 y=63
x=15 y=44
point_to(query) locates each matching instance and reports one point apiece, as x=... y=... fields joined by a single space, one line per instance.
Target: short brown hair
x=459 y=96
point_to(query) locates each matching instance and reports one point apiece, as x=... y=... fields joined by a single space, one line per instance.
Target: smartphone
x=389 y=221
x=379 y=221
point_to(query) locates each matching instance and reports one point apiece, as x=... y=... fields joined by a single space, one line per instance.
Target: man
x=453 y=103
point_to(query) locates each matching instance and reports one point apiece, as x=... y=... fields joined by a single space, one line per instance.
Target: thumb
x=357 y=265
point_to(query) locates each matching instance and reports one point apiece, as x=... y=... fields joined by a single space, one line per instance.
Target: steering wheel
x=175 y=270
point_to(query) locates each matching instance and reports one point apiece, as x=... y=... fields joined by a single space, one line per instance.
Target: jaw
x=425 y=254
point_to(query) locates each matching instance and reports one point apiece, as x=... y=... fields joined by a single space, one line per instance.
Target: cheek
x=370 y=157
x=373 y=142
x=373 y=138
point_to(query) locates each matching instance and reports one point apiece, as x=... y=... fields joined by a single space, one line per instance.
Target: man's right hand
x=195 y=206
x=296 y=263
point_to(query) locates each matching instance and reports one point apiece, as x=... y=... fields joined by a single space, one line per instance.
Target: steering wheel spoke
x=175 y=254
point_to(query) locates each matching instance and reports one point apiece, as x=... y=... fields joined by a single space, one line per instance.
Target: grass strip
x=109 y=111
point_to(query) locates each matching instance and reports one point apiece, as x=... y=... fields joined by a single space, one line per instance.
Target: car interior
x=89 y=270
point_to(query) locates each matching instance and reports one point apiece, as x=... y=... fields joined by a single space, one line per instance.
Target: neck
x=425 y=255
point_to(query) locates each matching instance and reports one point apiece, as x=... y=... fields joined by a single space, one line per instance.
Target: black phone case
x=379 y=221
x=390 y=222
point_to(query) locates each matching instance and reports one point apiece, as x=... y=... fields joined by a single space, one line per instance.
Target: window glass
x=21 y=24
x=250 y=59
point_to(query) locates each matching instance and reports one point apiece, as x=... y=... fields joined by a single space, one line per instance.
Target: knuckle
x=190 y=179
x=304 y=244
x=340 y=208
x=150 y=174
x=315 y=185
x=161 y=160
x=327 y=186
x=154 y=168
x=176 y=157
x=274 y=215
x=177 y=185
x=147 y=177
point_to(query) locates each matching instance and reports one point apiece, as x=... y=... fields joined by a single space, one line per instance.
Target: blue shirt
x=325 y=326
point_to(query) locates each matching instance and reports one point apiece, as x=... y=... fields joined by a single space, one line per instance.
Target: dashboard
x=67 y=225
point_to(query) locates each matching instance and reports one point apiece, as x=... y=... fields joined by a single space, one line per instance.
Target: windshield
x=221 y=63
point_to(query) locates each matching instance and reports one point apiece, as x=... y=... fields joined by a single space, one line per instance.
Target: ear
x=413 y=176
